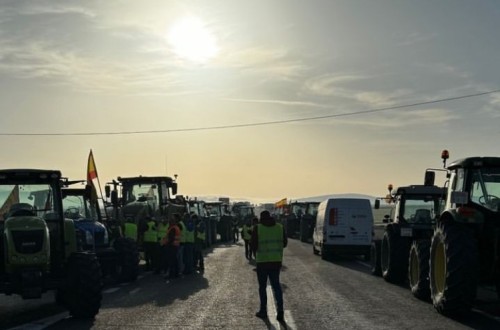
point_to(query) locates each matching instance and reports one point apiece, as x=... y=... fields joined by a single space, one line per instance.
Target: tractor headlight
x=89 y=239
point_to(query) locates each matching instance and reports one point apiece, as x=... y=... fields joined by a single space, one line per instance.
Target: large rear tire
x=375 y=267
x=127 y=266
x=418 y=269
x=454 y=268
x=81 y=293
x=394 y=256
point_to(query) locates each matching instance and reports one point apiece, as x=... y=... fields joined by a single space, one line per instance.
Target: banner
x=11 y=200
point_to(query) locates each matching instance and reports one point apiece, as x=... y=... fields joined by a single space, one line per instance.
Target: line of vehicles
x=443 y=242
x=57 y=235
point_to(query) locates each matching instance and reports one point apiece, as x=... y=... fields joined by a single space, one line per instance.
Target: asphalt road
x=318 y=294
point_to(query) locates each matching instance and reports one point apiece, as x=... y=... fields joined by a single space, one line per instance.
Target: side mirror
x=174 y=188
x=107 y=191
x=429 y=178
x=114 y=197
x=377 y=204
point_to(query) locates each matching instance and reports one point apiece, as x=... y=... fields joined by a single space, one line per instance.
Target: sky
x=250 y=99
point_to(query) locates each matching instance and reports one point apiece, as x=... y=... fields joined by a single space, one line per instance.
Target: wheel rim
x=439 y=266
x=414 y=268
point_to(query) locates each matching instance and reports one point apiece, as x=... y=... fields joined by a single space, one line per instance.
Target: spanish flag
x=11 y=200
x=91 y=175
x=91 y=170
x=280 y=203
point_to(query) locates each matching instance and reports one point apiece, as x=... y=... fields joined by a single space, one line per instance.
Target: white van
x=344 y=226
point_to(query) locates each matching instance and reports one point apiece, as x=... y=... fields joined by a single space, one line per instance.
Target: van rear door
x=350 y=222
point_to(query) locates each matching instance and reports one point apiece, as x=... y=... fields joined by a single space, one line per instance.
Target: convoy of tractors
x=443 y=242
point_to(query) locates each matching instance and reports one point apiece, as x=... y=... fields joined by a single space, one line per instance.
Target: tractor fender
x=462 y=214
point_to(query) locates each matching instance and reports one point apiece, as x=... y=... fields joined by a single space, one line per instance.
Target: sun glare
x=191 y=40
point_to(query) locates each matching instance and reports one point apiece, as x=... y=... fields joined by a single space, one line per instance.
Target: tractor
x=118 y=255
x=134 y=199
x=39 y=246
x=465 y=248
x=401 y=244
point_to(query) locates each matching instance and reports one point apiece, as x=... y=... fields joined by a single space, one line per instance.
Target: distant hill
x=301 y=199
x=324 y=197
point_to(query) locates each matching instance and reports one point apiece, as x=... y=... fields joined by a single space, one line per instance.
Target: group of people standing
x=175 y=246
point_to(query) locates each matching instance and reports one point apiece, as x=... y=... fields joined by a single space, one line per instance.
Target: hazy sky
x=124 y=66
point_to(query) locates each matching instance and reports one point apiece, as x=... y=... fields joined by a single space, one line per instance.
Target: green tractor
x=39 y=246
x=465 y=248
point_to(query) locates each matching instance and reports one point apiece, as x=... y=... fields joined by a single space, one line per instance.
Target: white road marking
x=134 y=291
x=364 y=263
x=42 y=323
x=111 y=290
x=271 y=312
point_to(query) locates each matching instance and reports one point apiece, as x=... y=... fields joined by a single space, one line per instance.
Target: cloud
x=280 y=102
x=416 y=37
x=327 y=85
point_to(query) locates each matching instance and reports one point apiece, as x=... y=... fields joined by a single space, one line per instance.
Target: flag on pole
x=11 y=200
x=280 y=203
x=91 y=175
x=91 y=170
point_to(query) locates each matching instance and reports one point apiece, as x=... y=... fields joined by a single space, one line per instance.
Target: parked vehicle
x=465 y=246
x=118 y=256
x=401 y=243
x=343 y=227
x=39 y=250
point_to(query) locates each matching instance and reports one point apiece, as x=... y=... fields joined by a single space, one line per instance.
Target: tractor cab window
x=77 y=208
x=26 y=200
x=312 y=209
x=485 y=188
x=142 y=193
x=421 y=209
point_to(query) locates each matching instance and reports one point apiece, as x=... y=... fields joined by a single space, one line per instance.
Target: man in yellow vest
x=268 y=240
x=130 y=229
x=188 y=249
x=150 y=242
x=246 y=234
x=161 y=263
x=199 y=243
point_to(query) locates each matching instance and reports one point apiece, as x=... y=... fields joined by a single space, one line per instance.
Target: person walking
x=246 y=234
x=172 y=242
x=268 y=240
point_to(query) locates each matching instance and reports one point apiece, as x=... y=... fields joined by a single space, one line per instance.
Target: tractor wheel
x=454 y=265
x=81 y=293
x=418 y=269
x=375 y=267
x=127 y=266
x=393 y=256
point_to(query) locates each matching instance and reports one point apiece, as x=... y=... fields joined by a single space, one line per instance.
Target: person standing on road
x=172 y=242
x=268 y=240
x=199 y=243
x=236 y=230
x=246 y=233
x=161 y=258
x=180 y=253
x=189 y=238
x=150 y=244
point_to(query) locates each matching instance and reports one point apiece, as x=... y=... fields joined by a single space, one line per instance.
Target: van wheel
x=324 y=254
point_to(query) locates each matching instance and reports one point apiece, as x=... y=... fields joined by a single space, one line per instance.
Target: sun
x=191 y=40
